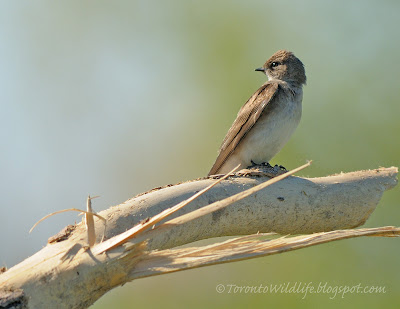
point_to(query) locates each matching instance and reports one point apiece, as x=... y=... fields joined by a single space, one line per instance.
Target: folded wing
x=245 y=120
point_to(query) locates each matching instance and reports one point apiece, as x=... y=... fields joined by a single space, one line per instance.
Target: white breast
x=268 y=136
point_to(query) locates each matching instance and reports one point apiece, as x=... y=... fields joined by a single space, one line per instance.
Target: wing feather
x=245 y=120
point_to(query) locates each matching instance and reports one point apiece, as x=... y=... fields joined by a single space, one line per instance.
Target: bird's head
x=285 y=66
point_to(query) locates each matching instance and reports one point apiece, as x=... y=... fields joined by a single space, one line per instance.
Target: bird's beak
x=260 y=69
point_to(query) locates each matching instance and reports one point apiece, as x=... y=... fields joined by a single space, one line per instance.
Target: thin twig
x=64 y=210
x=90 y=222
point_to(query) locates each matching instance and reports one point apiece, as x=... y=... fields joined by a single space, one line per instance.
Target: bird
x=267 y=120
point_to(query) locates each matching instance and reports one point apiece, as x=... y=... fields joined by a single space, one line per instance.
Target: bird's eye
x=275 y=64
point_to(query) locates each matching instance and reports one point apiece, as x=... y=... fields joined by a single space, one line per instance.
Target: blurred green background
x=113 y=98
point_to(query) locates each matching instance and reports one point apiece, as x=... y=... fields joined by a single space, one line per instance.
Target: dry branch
x=292 y=206
x=68 y=274
x=242 y=248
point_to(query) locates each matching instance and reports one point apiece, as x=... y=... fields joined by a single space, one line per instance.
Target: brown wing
x=245 y=120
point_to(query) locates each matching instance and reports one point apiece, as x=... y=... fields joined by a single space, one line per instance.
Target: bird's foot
x=266 y=164
x=282 y=168
x=262 y=170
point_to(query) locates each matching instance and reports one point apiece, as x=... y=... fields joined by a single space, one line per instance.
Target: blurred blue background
x=114 y=98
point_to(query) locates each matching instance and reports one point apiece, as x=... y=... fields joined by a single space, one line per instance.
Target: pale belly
x=267 y=137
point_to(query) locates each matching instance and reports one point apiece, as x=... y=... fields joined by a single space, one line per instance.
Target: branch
x=71 y=275
x=292 y=206
x=242 y=248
